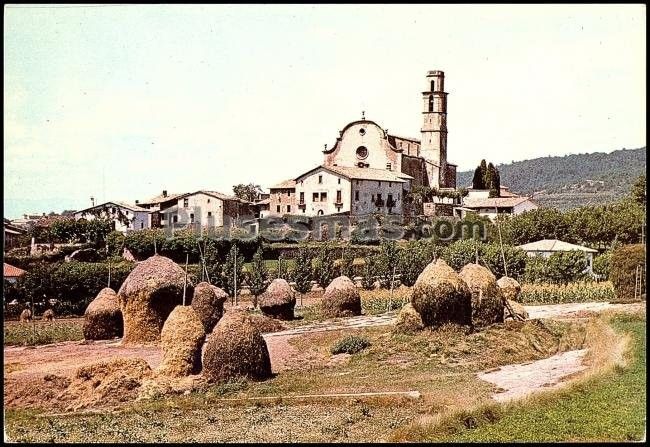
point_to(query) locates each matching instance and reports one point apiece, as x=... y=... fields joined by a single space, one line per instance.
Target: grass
x=441 y=364
x=608 y=406
x=42 y=332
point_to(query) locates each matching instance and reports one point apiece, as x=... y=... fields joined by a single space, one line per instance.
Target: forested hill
x=572 y=180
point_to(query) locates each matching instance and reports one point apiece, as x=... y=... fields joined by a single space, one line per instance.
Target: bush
x=369 y=272
x=623 y=270
x=601 y=265
x=559 y=268
x=463 y=252
x=350 y=345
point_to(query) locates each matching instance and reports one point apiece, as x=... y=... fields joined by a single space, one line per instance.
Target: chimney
x=164 y=193
x=92 y=200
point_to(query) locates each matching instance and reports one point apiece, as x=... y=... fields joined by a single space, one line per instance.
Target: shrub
x=601 y=265
x=324 y=270
x=258 y=277
x=623 y=270
x=350 y=345
x=369 y=272
x=559 y=268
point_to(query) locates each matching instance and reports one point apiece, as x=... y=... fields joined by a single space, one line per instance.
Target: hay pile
x=207 y=302
x=441 y=296
x=103 y=317
x=341 y=299
x=106 y=383
x=510 y=288
x=181 y=340
x=266 y=324
x=278 y=300
x=48 y=315
x=520 y=312
x=236 y=349
x=487 y=301
x=408 y=320
x=147 y=297
x=26 y=316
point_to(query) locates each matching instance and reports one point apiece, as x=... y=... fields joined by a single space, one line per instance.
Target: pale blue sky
x=122 y=102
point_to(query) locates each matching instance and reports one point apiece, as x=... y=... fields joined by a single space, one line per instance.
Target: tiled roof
x=495 y=202
x=290 y=183
x=160 y=198
x=412 y=140
x=364 y=173
x=554 y=245
x=119 y=204
x=12 y=272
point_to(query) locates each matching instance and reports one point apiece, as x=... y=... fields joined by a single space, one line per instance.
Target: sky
x=121 y=102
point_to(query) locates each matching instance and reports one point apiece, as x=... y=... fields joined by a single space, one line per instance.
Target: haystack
x=510 y=288
x=181 y=340
x=278 y=300
x=520 y=312
x=103 y=317
x=408 y=320
x=107 y=382
x=341 y=299
x=147 y=297
x=208 y=304
x=441 y=296
x=487 y=301
x=236 y=349
x=26 y=316
x=48 y=315
x=266 y=324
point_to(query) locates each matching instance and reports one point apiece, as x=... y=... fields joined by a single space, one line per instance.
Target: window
x=390 y=198
x=320 y=179
x=430 y=103
x=339 y=180
x=175 y=219
x=186 y=203
x=288 y=208
x=314 y=197
x=378 y=183
x=208 y=200
x=191 y=217
x=356 y=196
x=433 y=85
x=372 y=199
x=388 y=166
x=209 y=213
x=358 y=182
x=323 y=197
x=378 y=196
x=390 y=184
x=288 y=193
x=113 y=210
x=141 y=225
x=338 y=197
x=302 y=197
x=362 y=152
x=278 y=208
x=362 y=131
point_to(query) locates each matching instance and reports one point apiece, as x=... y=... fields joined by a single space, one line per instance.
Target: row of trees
x=486 y=176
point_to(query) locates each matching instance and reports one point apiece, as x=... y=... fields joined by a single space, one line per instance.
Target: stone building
x=207 y=209
x=368 y=168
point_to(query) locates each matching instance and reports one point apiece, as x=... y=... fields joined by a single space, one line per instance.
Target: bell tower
x=433 y=147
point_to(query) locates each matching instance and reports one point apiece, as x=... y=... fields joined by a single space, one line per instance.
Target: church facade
x=368 y=170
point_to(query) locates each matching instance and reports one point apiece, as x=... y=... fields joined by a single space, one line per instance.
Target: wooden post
x=392 y=283
x=187 y=258
x=109 y=274
x=503 y=255
x=235 y=275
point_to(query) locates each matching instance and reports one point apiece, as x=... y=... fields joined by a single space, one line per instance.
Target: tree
x=493 y=181
x=369 y=272
x=250 y=192
x=477 y=181
x=282 y=270
x=388 y=262
x=232 y=270
x=638 y=191
x=302 y=273
x=412 y=261
x=258 y=276
x=346 y=267
x=324 y=270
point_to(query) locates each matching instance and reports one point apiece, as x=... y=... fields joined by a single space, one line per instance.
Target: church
x=368 y=170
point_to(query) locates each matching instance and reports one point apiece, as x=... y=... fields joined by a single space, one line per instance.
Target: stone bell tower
x=433 y=147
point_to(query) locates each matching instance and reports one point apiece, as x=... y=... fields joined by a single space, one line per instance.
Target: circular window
x=362 y=131
x=362 y=152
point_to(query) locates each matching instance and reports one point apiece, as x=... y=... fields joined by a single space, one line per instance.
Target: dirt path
x=573 y=310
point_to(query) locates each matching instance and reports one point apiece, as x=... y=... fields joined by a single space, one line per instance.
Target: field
x=317 y=396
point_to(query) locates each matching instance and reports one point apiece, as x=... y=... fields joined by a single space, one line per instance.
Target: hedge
x=623 y=269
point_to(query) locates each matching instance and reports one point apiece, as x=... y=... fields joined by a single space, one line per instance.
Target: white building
x=123 y=216
x=546 y=247
x=491 y=207
x=207 y=208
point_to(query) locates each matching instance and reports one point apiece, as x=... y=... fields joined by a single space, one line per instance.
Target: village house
x=155 y=204
x=492 y=207
x=546 y=247
x=368 y=168
x=207 y=209
x=123 y=216
x=13 y=235
x=12 y=273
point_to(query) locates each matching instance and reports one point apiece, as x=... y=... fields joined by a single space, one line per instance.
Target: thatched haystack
x=106 y=382
x=266 y=324
x=48 y=315
x=236 y=349
x=408 y=320
x=147 y=297
x=26 y=316
x=441 y=296
x=278 y=300
x=207 y=302
x=520 y=312
x=181 y=340
x=510 y=288
x=103 y=317
x=487 y=301
x=341 y=299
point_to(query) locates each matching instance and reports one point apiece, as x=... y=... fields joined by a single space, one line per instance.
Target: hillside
x=572 y=180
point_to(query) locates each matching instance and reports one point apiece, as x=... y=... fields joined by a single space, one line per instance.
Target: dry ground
x=441 y=365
